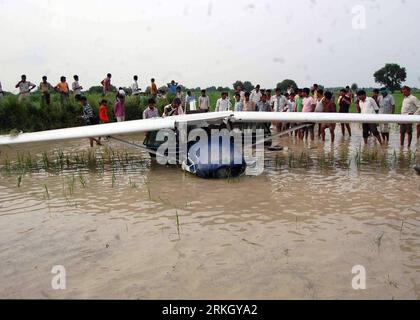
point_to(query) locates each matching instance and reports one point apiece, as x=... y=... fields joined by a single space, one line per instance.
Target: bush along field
x=31 y=115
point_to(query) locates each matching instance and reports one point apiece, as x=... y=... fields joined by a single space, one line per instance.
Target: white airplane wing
x=136 y=126
x=110 y=129
x=320 y=117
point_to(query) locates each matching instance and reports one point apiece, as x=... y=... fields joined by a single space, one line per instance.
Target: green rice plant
x=71 y=182
x=82 y=180
x=178 y=225
x=114 y=178
x=47 y=194
x=19 y=181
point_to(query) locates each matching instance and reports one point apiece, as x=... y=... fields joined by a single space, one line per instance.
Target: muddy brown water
x=149 y=231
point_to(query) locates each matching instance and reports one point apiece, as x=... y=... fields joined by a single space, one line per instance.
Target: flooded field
x=124 y=227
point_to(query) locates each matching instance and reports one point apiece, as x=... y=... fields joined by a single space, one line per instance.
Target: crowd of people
x=258 y=100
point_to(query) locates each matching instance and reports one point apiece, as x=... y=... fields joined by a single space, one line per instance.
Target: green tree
x=238 y=84
x=248 y=86
x=354 y=87
x=286 y=84
x=391 y=76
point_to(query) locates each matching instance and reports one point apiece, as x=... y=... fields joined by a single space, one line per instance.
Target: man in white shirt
x=368 y=105
x=204 y=101
x=410 y=106
x=223 y=104
x=25 y=88
x=256 y=95
x=135 y=90
x=278 y=103
x=77 y=88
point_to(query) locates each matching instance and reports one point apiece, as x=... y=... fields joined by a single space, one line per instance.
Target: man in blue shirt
x=172 y=86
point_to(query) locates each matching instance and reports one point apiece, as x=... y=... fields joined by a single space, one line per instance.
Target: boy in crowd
x=151 y=111
x=223 y=104
x=263 y=105
x=89 y=117
x=329 y=106
x=368 y=105
x=239 y=106
x=204 y=102
x=241 y=93
x=119 y=107
x=308 y=105
x=299 y=100
x=248 y=104
x=77 y=88
x=190 y=101
x=344 y=102
x=25 y=88
x=103 y=111
x=181 y=95
x=45 y=88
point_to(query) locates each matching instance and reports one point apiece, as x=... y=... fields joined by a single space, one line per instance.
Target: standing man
x=263 y=105
x=308 y=105
x=135 y=90
x=25 y=88
x=299 y=100
x=45 y=88
x=239 y=106
x=63 y=89
x=344 y=101
x=278 y=103
x=204 y=102
x=181 y=95
x=190 y=102
x=119 y=108
x=223 y=104
x=315 y=89
x=173 y=86
x=386 y=104
x=106 y=84
x=90 y=118
x=248 y=104
x=410 y=106
x=256 y=94
x=77 y=88
x=153 y=88
x=367 y=105
x=329 y=106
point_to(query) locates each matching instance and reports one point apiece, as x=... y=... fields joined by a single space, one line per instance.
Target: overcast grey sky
x=207 y=42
